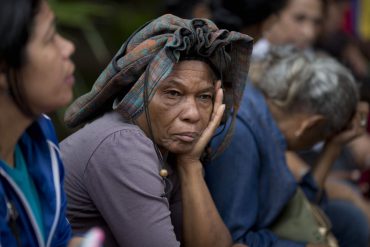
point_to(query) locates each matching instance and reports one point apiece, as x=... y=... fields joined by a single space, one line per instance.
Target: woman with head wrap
x=302 y=98
x=135 y=169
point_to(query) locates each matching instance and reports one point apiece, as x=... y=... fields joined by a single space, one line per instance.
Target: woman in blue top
x=302 y=98
x=36 y=76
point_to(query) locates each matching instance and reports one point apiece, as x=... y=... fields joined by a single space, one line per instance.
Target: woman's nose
x=67 y=47
x=190 y=111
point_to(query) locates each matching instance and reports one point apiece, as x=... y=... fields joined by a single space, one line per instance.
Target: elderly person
x=135 y=168
x=302 y=98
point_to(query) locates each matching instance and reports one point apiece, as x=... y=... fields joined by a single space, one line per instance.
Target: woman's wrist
x=333 y=148
x=188 y=168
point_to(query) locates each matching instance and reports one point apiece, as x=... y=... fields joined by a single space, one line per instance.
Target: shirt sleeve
x=122 y=178
x=233 y=180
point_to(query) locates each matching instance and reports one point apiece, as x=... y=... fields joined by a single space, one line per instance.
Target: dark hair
x=16 y=25
x=181 y=8
x=325 y=4
x=236 y=14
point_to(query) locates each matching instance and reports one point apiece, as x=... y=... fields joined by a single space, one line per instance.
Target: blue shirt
x=41 y=154
x=250 y=181
x=23 y=179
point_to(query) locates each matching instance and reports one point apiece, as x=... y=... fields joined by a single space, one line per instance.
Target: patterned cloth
x=148 y=57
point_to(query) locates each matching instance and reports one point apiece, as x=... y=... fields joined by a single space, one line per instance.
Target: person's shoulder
x=109 y=133
x=107 y=125
x=111 y=122
x=44 y=125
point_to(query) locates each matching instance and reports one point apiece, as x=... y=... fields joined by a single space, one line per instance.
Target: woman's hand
x=334 y=145
x=93 y=238
x=355 y=128
x=218 y=110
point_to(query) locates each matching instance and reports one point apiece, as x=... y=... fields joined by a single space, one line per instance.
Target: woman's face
x=181 y=107
x=297 y=24
x=48 y=72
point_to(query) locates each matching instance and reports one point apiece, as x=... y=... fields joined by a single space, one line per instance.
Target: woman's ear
x=310 y=123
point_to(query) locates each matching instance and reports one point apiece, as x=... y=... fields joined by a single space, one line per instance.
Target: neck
x=143 y=125
x=12 y=125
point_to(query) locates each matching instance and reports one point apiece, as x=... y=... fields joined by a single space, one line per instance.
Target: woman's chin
x=181 y=148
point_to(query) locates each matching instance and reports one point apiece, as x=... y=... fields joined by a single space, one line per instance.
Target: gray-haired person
x=301 y=99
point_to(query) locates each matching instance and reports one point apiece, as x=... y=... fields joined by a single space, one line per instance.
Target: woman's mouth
x=70 y=80
x=187 y=137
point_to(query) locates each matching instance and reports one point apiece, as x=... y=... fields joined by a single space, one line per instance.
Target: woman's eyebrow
x=51 y=26
x=174 y=82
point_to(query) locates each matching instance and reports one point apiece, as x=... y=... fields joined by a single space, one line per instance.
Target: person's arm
x=123 y=181
x=334 y=145
x=202 y=225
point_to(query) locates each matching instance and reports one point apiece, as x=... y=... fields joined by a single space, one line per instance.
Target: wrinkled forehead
x=216 y=71
x=190 y=72
x=189 y=76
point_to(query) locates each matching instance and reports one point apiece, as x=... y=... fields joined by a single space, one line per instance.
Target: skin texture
x=48 y=73
x=297 y=24
x=181 y=107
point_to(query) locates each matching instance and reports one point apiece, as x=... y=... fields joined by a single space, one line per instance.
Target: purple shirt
x=112 y=181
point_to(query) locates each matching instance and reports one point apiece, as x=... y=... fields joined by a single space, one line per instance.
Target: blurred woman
x=36 y=77
x=297 y=23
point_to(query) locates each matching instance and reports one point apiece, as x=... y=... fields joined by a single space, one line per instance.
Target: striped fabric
x=149 y=56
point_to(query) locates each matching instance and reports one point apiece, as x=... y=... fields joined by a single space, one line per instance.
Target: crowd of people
x=223 y=123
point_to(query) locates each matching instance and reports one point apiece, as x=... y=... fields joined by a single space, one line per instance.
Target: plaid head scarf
x=148 y=57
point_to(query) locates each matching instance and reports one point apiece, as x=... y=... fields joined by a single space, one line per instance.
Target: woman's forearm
x=202 y=225
x=324 y=163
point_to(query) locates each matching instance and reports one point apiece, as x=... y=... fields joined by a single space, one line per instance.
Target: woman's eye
x=52 y=37
x=173 y=93
x=206 y=97
x=300 y=18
